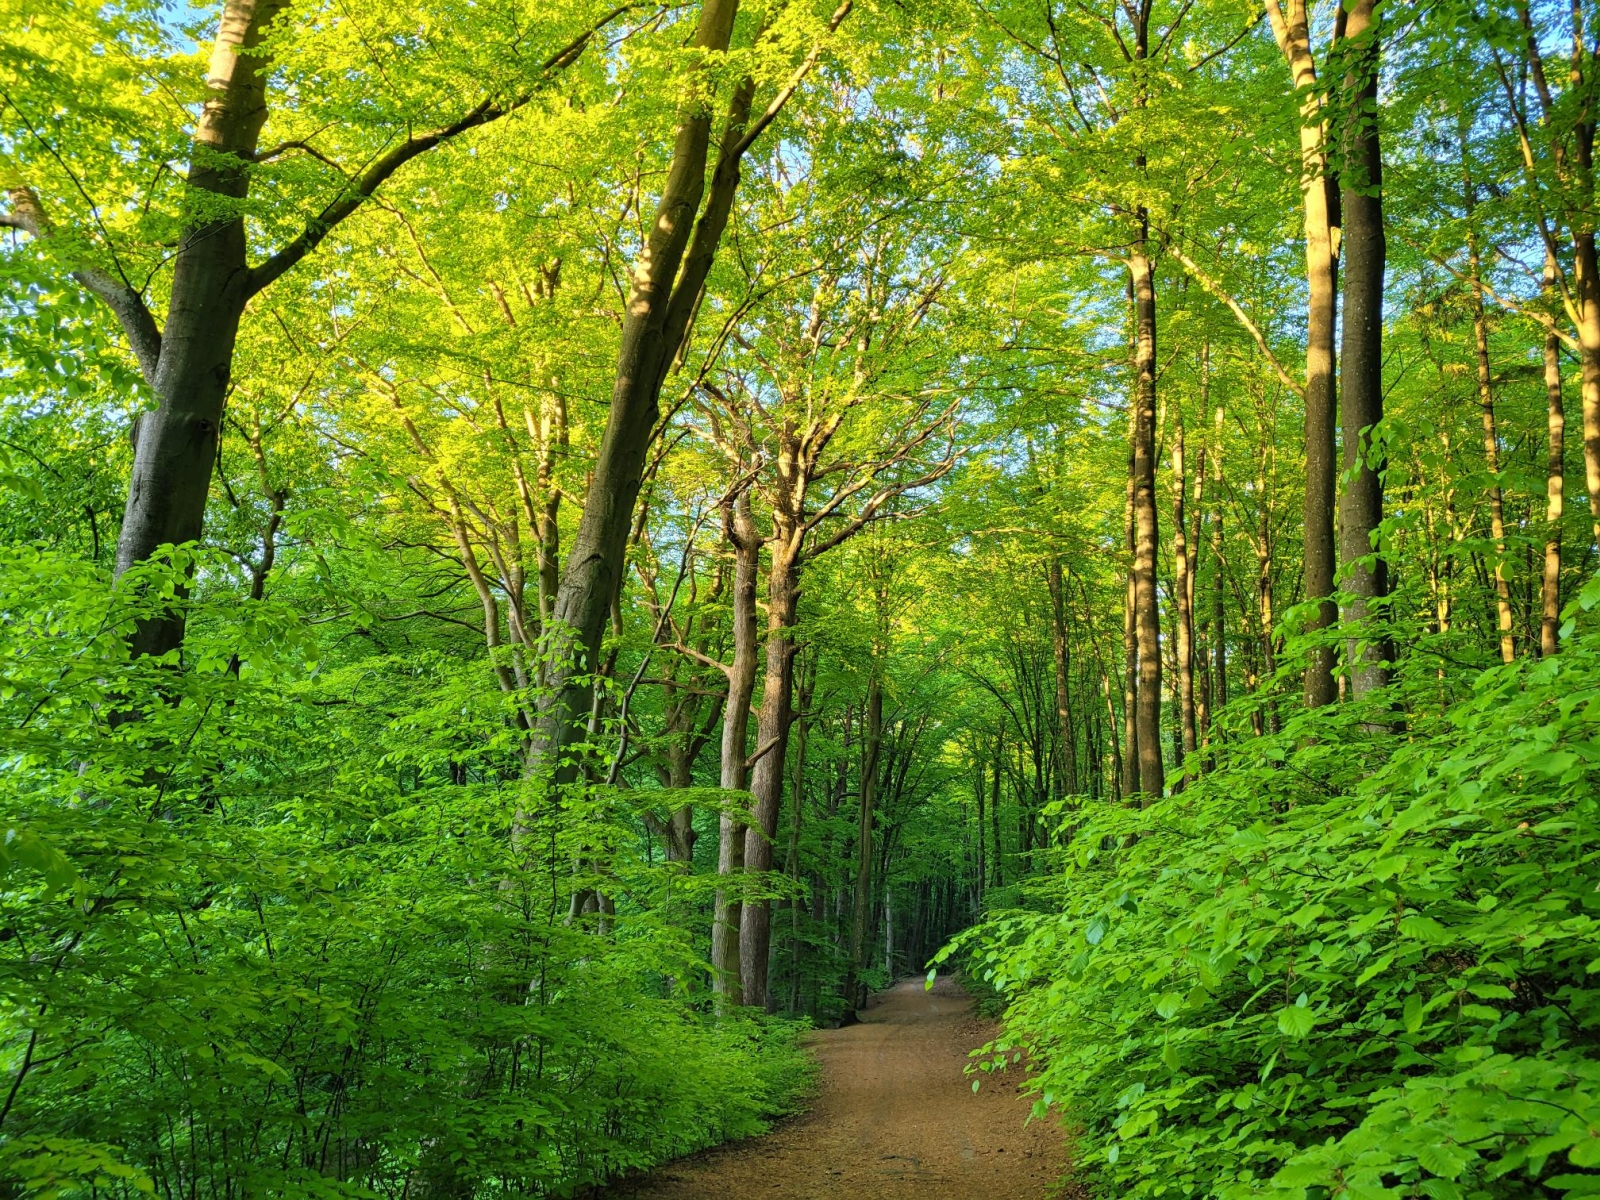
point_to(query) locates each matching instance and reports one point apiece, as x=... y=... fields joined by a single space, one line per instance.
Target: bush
x=1347 y=962
x=273 y=936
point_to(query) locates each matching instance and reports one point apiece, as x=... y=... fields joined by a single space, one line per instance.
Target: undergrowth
x=1351 y=960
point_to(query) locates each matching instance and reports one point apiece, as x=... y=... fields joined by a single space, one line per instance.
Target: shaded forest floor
x=894 y=1116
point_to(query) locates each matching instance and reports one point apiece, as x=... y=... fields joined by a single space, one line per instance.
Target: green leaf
x=1586 y=1153
x=1423 y=929
x=1296 y=1021
x=1412 y=1017
x=1444 y=1159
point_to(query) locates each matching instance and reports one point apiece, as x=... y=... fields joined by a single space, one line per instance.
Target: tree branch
x=28 y=215
x=1244 y=318
x=362 y=189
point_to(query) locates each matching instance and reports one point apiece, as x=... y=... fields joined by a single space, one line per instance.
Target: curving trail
x=894 y=1117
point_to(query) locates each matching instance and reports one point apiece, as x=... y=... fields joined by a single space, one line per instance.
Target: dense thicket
x=542 y=544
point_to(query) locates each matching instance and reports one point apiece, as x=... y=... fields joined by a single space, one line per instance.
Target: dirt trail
x=894 y=1117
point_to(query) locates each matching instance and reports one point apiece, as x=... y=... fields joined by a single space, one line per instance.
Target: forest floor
x=893 y=1117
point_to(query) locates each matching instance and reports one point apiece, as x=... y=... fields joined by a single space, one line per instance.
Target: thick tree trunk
x=1292 y=29
x=655 y=319
x=175 y=446
x=741 y=533
x=872 y=741
x=1555 y=473
x=1361 y=390
x=1147 y=535
x=772 y=736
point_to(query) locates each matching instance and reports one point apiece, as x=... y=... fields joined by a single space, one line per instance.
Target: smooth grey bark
x=175 y=445
x=740 y=530
x=188 y=362
x=1291 y=26
x=772 y=737
x=1361 y=354
x=1147 y=534
x=872 y=741
x=660 y=308
x=1555 y=479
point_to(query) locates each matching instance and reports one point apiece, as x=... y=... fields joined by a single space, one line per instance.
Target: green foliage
x=260 y=940
x=1343 y=963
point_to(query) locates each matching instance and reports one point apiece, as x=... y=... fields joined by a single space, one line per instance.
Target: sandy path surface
x=894 y=1117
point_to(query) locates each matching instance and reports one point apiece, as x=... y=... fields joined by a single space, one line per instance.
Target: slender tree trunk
x=1291 y=26
x=1555 y=474
x=1361 y=391
x=983 y=832
x=1183 y=598
x=741 y=532
x=1219 y=582
x=1491 y=436
x=1066 y=745
x=872 y=741
x=797 y=796
x=1491 y=461
x=772 y=736
x=1130 y=653
x=1147 y=535
x=994 y=806
x=553 y=441
x=1587 y=273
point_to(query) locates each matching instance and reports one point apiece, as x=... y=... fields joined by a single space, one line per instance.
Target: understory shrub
x=274 y=936
x=1353 y=959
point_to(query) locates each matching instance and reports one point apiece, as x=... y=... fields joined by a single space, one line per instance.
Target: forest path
x=893 y=1117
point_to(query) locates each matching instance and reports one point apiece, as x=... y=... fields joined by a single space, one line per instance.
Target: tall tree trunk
x=1066 y=742
x=656 y=319
x=175 y=446
x=1292 y=29
x=1587 y=273
x=1555 y=474
x=1183 y=598
x=1554 y=501
x=1147 y=535
x=1491 y=451
x=797 y=796
x=872 y=741
x=994 y=805
x=741 y=533
x=983 y=876
x=1130 y=649
x=772 y=736
x=1361 y=390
